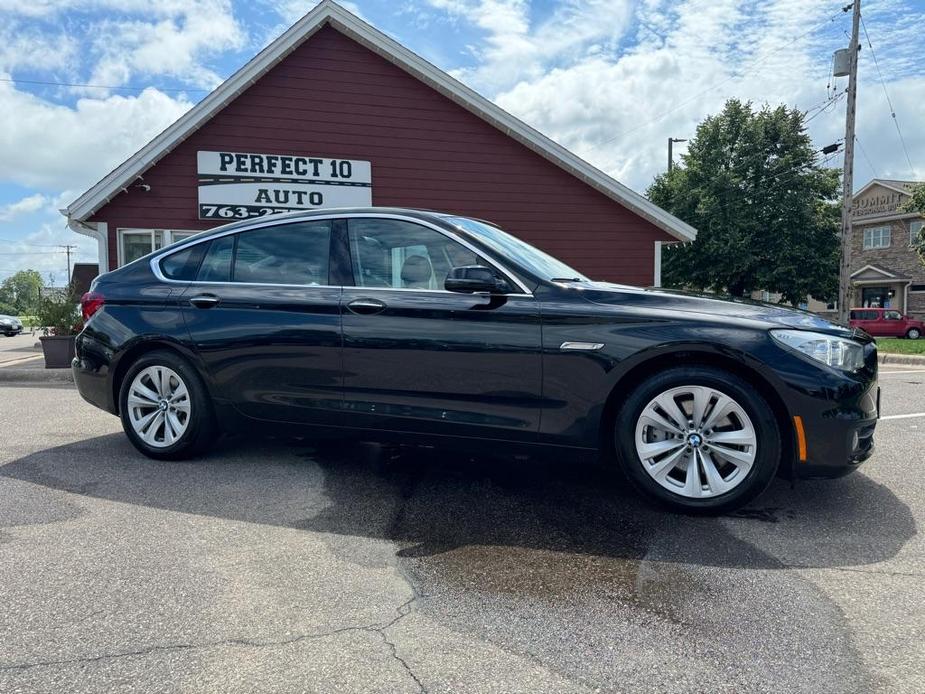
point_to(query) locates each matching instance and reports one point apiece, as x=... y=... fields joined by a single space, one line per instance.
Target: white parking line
x=914 y=371
x=904 y=416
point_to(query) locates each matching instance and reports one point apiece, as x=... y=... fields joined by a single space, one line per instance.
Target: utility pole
x=671 y=141
x=844 y=275
x=68 y=249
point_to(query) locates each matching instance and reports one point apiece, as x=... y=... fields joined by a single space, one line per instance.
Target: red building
x=335 y=113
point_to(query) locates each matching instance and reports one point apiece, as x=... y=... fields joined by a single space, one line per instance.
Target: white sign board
x=236 y=185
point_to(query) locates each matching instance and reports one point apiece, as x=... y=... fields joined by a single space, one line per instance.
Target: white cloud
x=55 y=147
x=171 y=41
x=22 y=46
x=617 y=108
x=517 y=48
x=26 y=205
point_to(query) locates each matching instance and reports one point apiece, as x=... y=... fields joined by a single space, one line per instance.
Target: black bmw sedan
x=383 y=323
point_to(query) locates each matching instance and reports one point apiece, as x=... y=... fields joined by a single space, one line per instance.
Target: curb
x=914 y=359
x=35 y=376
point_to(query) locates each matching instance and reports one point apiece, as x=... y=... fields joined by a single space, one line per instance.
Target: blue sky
x=610 y=79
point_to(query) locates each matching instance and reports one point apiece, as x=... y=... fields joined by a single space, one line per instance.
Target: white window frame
x=883 y=232
x=915 y=226
x=168 y=238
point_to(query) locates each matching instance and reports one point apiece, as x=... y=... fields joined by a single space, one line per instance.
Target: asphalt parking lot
x=276 y=565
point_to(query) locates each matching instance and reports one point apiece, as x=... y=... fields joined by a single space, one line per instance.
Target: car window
x=892 y=315
x=216 y=266
x=287 y=254
x=184 y=264
x=854 y=315
x=871 y=315
x=403 y=255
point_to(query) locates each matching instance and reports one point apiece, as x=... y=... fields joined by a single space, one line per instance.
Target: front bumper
x=839 y=413
x=10 y=329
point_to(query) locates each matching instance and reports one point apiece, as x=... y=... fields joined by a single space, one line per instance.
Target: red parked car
x=886 y=322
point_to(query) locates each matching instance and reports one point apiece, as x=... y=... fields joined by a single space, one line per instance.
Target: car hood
x=709 y=305
x=11 y=318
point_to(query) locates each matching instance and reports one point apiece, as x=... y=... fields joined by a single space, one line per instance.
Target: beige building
x=885 y=269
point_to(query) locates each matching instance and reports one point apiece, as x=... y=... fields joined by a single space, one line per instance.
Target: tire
x=913 y=333
x=737 y=453
x=186 y=428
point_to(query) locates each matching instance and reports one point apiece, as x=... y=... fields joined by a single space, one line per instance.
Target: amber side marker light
x=801 y=437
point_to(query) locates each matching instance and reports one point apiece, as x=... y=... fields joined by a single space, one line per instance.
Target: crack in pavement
x=403 y=610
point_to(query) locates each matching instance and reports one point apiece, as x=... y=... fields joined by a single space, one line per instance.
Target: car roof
x=428 y=215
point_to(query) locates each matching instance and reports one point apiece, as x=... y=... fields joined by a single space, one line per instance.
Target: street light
x=671 y=141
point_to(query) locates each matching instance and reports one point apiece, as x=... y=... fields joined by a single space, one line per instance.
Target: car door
x=422 y=359
x=868 y=321
x=264 y=317
x=893 y=323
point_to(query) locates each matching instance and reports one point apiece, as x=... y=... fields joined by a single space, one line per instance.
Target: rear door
x=867 y=320
x=264 y=316
x=419 y=358
x=893 y=323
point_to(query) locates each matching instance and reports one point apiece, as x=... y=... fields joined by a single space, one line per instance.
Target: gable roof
x=903 y=187
x=329 y=12
x=872 y=272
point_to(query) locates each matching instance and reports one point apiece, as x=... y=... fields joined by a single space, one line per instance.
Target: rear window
x=297 y=254
x=290 y=254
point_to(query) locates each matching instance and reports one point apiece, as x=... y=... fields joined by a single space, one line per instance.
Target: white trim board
x=329 y=12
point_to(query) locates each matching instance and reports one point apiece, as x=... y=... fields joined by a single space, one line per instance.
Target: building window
x=136 y=243
x=877 y=237
x=917 y=288
x=915 y=228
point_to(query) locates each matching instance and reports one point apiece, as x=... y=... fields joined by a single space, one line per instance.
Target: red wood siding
x=332 y=97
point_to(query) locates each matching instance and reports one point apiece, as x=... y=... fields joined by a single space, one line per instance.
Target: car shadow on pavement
x=430 y=501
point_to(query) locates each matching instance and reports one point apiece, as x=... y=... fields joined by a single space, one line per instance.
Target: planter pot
x=59 y=351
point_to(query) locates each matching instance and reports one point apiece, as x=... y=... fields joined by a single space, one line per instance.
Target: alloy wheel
x=158 y=406
x=696 y=441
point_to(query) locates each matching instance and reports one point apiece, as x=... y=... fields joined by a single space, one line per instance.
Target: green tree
x=917 y=204
x=22 y=291
x=763 y=207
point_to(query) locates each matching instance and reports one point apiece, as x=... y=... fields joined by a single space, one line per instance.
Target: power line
x=99 y=86
x=866 y=158
x=50 y=245
x=889 y=102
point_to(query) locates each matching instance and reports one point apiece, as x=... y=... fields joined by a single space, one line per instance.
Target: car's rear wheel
x=913 y=333
x=698 y=439
x=165 y=409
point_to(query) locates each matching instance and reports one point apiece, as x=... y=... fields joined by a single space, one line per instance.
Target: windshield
x=540 y=264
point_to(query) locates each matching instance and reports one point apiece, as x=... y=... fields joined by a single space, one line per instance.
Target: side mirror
x=474 y=278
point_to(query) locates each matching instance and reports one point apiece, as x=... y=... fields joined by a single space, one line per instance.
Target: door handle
x=204 y=300
x=366 y=307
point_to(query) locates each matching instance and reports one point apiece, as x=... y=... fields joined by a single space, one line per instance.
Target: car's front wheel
x=913 y=333
x=165 y=409
x=698 y=439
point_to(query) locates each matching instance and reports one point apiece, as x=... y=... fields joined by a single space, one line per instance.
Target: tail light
x=90 y=303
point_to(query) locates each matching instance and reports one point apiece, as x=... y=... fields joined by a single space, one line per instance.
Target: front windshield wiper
x=566 y=279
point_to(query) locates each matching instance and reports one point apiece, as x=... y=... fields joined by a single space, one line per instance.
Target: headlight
x=833 y=351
